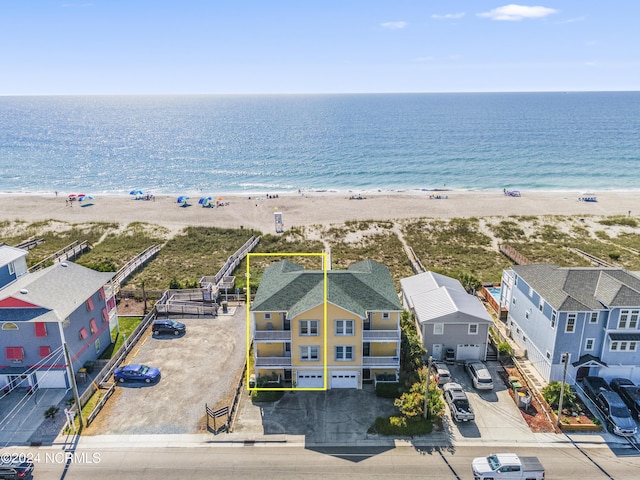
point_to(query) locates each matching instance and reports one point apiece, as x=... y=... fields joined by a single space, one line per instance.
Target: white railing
x=381 y=335
x=272 y=336
x=380 y=362
x=273 y=361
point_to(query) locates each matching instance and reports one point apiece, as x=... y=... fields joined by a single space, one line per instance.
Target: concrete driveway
x=200 y=367
x=334 y=417
x=497 y=416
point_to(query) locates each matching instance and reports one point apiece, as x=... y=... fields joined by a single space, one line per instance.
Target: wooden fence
x=513 y=255
x=132 y=265
x=70 y=252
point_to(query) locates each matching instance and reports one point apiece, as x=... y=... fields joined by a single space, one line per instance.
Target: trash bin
x=252 y=381
x=225 y=307
x=89 y=366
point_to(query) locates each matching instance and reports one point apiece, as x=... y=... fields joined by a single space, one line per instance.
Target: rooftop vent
x=24 y=291
x=64 y=264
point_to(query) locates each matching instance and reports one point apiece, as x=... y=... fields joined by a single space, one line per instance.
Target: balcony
x=273 y=361
x=272 y=336
x=381 y=362
x=382 y=336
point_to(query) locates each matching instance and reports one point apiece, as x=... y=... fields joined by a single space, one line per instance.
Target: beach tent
x=84 y=198
x=136 y=193
x=182 y=200
x=205 y=201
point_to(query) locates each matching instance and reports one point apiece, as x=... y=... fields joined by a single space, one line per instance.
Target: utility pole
x=427 y=412
x=74 y=387
x=565 y=359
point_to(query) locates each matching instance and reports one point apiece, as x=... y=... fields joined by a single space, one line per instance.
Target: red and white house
x=40 y=311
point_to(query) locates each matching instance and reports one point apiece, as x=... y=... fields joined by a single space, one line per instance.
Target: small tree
x=411 y=403
x=504 y=349
x=551 y=394
x=411 y=348
x=51 y=412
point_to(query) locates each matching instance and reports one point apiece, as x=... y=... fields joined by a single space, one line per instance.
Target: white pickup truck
x=507 y=466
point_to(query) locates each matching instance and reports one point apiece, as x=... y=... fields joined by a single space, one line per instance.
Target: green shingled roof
x=364 y=286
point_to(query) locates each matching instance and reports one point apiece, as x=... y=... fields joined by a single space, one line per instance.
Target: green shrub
x=551 y=394
x=388 y=390
x=265 y=395
x=401 y=426
x=504 y=349
x=614 y=256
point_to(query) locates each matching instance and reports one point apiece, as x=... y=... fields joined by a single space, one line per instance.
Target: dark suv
x=616 y=413
x=168 y=326
x=16 y=470
x=629 y=393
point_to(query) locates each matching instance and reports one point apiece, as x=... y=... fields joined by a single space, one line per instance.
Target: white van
x=480 y=375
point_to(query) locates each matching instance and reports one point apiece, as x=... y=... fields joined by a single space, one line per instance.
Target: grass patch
x=401 y=426
x=389 y=390
x=619 y=220
x=266 y=395
x=127 y=325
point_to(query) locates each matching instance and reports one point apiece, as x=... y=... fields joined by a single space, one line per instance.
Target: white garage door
x=469 y=352
x=347 y=379
x=310 y=380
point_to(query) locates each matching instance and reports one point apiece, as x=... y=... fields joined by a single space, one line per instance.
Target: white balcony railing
x=273 y=361
x=381 y=335
x=272 y=336
x=381 y=362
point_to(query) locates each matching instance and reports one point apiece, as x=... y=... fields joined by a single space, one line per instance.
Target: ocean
x=281 y=143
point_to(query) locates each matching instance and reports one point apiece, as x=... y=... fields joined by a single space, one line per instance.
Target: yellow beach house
x=362 y=326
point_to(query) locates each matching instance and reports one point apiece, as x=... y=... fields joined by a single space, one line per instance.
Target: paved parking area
x=497 y=415
x=197 y=368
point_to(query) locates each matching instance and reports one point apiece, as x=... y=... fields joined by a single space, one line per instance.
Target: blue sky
x=316 y=46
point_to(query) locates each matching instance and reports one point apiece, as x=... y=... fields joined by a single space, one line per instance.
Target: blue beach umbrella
x=84 y=198
x=204 y=201
x=137 y=193
x=182 y=199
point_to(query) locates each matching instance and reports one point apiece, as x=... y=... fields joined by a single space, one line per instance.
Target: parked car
x=441 y=373
x=10 y=470
x=168 y=326
x=616 y=414
x=629 y=393
x=136 y=373
x=458 y=402
x=480 y=375
x=508 y=466
x=593 y=386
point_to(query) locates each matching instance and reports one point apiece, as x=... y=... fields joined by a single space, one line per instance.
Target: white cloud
x=517 y=12
x=394 y=25
x=448 y=16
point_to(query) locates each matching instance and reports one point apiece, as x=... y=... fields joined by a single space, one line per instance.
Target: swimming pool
x=495 y=293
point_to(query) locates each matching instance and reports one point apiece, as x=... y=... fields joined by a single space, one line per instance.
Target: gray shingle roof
x=9 y=254
x=364 y=286
x=59 y=290
x=582 y=289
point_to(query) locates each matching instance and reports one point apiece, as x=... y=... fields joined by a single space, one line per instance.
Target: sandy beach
x=310 y=208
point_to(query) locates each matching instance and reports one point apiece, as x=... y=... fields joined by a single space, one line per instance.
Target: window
x=623 y=346
x=628 y=319
x=548 y=355
x=267 y=316
x=344 y=327
x=541 y=305
x=15 y=354
x=83 y=333
x=111 y=303
x=614 y=346
x=101 y=293
x=386 y=315
x=12 y=268
x=97 y=345
x=93 y=326
x=571 y=323
x=554 y=316
x=526 y=315
x=9 y=326
x=633 y=346
x=513 y=300
x=309 y=327
x=308 y=353
x=588 y=344
x=530 y=292
x=344 y=352
x=473 y=329
x=41 y=329
x=593 y=318
x=45 y=351
x=438 y=328
x=105 y=315
x=89 y=305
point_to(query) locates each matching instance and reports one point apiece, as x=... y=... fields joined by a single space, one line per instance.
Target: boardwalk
x=70 y=252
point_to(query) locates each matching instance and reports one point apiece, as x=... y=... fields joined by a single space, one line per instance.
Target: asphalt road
x=296 y=462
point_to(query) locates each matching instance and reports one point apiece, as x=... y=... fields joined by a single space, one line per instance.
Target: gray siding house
x=590 y=313
x=39 y=311
x=447 y=316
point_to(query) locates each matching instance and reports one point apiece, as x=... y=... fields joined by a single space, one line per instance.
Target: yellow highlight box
x=248 y=310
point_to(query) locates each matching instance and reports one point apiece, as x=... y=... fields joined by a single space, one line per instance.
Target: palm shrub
x=551 y=394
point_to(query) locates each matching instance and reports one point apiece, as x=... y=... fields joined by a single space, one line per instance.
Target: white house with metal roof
x=39 y=311
x=591 y=313
x=447 y=316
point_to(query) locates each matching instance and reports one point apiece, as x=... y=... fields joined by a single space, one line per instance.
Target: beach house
x=40 y=311
x=590 y=313
x=304 y=343
x=447 y=317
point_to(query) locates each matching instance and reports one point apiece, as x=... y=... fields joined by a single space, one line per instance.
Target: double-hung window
x=309 y=327
x=344 y=352
x=344 y=327
x=309 y=353
x=571 y=323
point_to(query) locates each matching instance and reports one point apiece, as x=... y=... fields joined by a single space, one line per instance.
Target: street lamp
x=427 y=412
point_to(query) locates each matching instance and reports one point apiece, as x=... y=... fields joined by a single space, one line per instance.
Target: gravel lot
x=201 y=367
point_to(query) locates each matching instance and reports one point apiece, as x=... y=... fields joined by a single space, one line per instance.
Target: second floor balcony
x=272 y=336
x=381 y=336
x=381 y=362
x=273 y=362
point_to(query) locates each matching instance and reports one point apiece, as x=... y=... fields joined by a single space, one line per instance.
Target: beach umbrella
x=84 y=197
x=204 y=201
x=136 y=192
x=182 y=199
x=219 y=199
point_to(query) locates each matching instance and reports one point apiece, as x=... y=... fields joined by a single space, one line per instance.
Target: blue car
x=136 y=373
